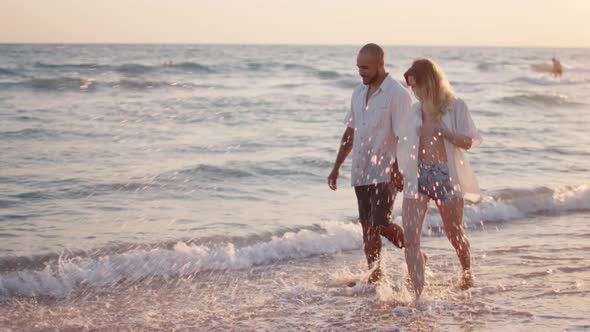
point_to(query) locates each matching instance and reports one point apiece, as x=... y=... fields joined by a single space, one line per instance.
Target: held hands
x=332 y=179
x=397 y=179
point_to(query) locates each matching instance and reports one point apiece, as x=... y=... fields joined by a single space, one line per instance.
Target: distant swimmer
x=557 y=70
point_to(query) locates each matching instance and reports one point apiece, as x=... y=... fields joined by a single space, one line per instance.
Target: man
x=377 y=108
x=557 y=69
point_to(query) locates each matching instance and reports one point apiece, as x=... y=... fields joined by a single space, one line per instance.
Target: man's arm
x=396 y=177
x=344 y=150
x=400 y=117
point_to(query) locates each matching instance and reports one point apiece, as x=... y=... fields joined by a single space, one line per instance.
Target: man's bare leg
x=372 y=247
x=394 y=233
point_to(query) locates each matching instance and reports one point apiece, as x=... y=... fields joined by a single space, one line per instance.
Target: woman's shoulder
x=457 y=105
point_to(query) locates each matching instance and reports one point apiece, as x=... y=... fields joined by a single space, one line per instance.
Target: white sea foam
x=515 y=204
x=183 y=260
x=62 y=277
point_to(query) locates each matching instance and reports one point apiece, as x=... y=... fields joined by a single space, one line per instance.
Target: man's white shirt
x=375 y=124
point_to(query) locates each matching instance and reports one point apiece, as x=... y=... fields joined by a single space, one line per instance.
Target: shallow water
x=183 y=187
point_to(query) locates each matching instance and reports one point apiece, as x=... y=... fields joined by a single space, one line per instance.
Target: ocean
x=184 y=188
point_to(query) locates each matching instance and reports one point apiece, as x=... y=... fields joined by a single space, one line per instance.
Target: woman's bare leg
x=413 y=213
x=451 y=213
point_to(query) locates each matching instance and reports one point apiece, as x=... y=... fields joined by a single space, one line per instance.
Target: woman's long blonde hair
x=431 y=79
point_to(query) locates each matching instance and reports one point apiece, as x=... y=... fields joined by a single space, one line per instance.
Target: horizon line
x=290 y=44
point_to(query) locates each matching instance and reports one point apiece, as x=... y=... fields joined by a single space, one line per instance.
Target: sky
x=524 y=23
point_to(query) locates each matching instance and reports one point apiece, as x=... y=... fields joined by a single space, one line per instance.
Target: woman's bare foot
x=467 y=280
x=424 y=261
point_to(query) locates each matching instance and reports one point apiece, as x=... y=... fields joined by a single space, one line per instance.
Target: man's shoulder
x=396 y=89
x=402 y=90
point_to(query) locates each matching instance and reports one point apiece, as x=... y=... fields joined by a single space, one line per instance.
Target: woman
x=431 y=158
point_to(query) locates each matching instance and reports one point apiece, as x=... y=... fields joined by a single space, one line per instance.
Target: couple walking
x=415 y=149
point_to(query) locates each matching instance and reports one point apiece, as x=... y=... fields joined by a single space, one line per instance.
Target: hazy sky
x=560 y=23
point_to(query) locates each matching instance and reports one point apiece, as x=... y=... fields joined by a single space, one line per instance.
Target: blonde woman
x=430 y=154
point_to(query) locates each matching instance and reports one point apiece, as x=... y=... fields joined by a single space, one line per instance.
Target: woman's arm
x=461 y=141
x=465 y=135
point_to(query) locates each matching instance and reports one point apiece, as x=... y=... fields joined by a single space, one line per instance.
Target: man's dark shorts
x=376 y=203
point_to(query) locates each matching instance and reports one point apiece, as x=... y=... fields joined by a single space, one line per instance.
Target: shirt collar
x=386 y=85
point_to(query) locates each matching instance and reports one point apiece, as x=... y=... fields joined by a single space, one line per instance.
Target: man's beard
x=371 y=80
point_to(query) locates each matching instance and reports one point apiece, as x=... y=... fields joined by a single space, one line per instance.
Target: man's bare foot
x=394 y=233
x=375 y=276
x=467 y=280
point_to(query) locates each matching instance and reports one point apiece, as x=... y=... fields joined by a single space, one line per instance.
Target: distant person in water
x=377 y=108
x=431 y=159
x=557 y=70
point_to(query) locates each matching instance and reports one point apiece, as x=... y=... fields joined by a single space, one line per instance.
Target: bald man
x=377 y=107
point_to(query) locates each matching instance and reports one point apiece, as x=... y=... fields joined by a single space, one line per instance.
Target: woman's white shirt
x=458 y=120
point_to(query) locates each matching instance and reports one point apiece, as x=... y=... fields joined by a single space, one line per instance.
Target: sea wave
x=28 y=133
x=348 y=83
x=70 y=66
x=318 y=72
x=53 y=84
x=214 y=180
x=488 y=65
x=191 y=67
x=328 y=74
x=63 y=275
x=550 y=81
x=209 y=172
x=539 y=99
x=8 y=72
x=515 y=203
x=146 y=84
x=54 y=73
x=128 y=68
x=59 y=275
x=84 y=84
x=242 y=170
x=133 y=68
